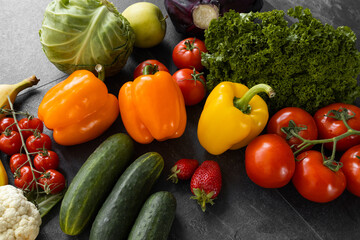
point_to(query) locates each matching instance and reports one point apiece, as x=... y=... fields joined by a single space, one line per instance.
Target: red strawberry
x=183 y=169
x=206 y=183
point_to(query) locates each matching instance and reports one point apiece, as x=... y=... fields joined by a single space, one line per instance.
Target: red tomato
x=17 y=161
x=301 y=118
x=52 y=181
x=351 y=169
x=192 y=85
x=35 y=143
x=315 y=181
x=154 y=66
x=10 y=142
x=30 y=123
x=187 y=54
x=330 y=127
x=269 y=161
x=6 y=122
x=46 y=160
x=25 y=179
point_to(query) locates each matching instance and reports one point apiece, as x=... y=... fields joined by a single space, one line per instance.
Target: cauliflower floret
x=19 y=218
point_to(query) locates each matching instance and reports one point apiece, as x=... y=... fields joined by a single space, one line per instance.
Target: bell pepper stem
x=243 y=103
x=150 y=69
x=100 y=71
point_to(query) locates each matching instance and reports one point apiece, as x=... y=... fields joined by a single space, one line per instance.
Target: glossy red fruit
x=351 y=169
x=32 y=124
x=183 y=169
x=315 y=181
x=38 y=142
x=152 y=66
x=17 y=161
x=269 y=161
x=25 y=178
x=330 y=125
x=187 y=54
x=206 y=183
x=297 y=119
x=7 y=123
x=52 y=181
x=10 y=142
x=46 y=160
x=191 y=84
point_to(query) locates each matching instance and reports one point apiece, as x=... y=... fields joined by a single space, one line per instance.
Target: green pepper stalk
x=243 y=103
x=292 y=131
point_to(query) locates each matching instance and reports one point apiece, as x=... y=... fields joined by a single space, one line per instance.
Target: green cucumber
x=155 y=218
x=93 y=182
x=118 y=213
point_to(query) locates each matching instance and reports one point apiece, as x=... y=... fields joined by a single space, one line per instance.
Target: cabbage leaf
x=78 y=34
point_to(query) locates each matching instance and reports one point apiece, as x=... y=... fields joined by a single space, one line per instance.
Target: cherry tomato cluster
x=187 y=58
x=33 y=163
x=284 y=153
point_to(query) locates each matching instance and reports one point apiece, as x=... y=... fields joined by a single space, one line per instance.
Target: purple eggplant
x=192 y=17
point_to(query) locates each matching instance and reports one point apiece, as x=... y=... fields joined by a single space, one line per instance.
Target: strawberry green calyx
x=174 y=176
x=203 y=198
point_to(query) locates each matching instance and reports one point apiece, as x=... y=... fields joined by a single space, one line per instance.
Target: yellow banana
x=12 y=90
x=3 y=175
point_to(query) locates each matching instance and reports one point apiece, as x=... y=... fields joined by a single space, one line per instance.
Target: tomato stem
x=150 y=69
x=24 y=147
x=330 y=162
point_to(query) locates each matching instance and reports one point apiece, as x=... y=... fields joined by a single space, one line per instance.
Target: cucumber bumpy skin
x=117 y=215
x=93 y=182
x=155 y=218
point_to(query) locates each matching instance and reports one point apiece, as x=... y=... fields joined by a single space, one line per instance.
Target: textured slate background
x=243 y=210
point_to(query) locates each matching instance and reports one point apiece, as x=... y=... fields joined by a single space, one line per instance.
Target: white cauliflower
x=19 y=218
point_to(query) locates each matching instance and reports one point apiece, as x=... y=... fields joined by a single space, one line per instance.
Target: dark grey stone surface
x=243 y=210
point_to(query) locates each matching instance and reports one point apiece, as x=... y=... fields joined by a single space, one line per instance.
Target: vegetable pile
x=308 y=64
x=33 y=162
x=311 y=67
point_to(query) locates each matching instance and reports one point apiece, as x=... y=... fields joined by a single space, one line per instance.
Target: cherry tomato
x=315 y=181
x=25 y=179
x=330 y=127
x=30 y=123
x=10 y=142
x=192 y=85
x=154 y=66
x=46 y=160
x=35 y=143
x=6 y=122
x=187 y=54
x=17 y=161
x=269 y=161
x=52 y=181
x=351 y=169
x=305 y=125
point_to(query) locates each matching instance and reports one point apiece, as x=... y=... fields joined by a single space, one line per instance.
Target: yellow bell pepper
x=3 y=175
x=233 y=115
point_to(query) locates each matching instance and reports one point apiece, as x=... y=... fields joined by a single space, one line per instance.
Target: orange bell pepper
x=79 y=108
x=152 y=107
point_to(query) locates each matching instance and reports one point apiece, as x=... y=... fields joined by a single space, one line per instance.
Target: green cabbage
x=78 y=34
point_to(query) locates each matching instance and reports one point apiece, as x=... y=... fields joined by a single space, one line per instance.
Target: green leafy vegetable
x=44 y=202
x=79 y=34
x=308 y=64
